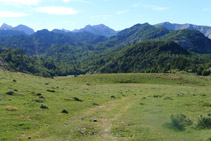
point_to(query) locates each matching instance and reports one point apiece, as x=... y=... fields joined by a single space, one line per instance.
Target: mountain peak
x=21 y=28
x=27 y=30
x=5 y=26
x=100 y=29
x=171 y=26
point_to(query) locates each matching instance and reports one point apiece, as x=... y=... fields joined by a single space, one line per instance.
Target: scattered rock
x=10 y=93
x=42 y=97
x=77 y=99
x=65 y=111
x=82 y=132
x=95 y=104
x=40 y=100
x=39 y=94
x=43 y=106
x=157 y=96
x=52 y=91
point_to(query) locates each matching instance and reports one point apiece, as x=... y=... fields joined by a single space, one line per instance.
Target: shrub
x=204 y=122
x=180 y=121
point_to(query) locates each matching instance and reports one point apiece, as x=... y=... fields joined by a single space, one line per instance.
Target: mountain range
x=206 y=30
x=140 y=48
x=102 y=29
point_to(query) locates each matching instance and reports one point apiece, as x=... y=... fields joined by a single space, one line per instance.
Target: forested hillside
x=141 y=48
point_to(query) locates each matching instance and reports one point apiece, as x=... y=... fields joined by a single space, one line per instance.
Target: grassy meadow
x=105 y=107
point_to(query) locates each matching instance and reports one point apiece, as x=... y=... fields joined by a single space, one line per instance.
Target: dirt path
x=110 y=113
x=106 y=115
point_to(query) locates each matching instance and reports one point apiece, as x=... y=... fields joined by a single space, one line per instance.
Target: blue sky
x=117 y=14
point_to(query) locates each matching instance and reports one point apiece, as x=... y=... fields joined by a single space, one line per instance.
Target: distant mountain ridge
x=206 y=30
x=140 y=48
x=100 y=29
x=20 y=28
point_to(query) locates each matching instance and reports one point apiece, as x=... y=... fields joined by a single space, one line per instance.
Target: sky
x=117 y=14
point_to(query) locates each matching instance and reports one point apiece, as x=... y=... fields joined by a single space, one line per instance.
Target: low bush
x=204 y=122
x=179 y=122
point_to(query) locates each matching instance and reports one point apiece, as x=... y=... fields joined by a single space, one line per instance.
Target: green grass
x=140 y=110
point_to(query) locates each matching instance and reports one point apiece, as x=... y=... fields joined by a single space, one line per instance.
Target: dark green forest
x=142 y=48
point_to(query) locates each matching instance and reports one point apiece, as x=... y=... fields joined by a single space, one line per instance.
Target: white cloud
x=53 y=10
x=154 y=7
x=9 y=14
x=24 y=2
x=122 y=12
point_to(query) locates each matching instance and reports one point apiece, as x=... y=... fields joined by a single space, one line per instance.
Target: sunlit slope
x=102 y=107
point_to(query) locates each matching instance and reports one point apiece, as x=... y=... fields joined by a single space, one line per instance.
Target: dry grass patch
x=11 y=108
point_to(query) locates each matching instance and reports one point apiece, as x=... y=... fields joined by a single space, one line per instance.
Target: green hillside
x=153 y=56
x=191 y=40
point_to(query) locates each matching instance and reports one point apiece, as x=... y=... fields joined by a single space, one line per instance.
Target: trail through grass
x=102 y=106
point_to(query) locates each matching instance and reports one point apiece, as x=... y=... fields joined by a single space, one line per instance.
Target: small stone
x=95 y=104
x=10 y=93
x=39 y=94
x=65 y=111
x=43 y=106
x=52 y=91
x=42 y=97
